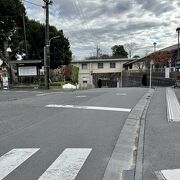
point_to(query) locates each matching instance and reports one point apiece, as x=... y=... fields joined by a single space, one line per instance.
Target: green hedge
x=59 y=84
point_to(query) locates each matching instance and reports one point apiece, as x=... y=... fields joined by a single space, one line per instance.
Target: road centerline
x=100 y=108
x=46 y=94
x=121 y=94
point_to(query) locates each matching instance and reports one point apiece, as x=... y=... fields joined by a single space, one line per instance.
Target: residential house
x=107 y=70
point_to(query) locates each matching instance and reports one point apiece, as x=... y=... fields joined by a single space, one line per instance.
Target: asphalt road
x=40 y=135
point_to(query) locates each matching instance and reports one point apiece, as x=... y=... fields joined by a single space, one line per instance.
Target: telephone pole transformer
x=47 y=45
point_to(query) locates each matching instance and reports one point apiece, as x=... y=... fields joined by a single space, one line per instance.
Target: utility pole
x=151 y=62
x=178 y=56
x=47 y=46
x=25 y=39
x=97 y=52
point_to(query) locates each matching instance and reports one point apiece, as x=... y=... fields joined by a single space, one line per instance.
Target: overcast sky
x=88 y=23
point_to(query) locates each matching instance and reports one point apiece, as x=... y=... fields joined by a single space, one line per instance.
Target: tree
x=130 y=47
x=60 y=52
x=74 y=74
x=140 y=65
x=11 y=19
x=36 y=39
x=136 y=56
x=11 y=13
x=102 y=56
x=161 y=58
x=119 y=52
x=67 y=72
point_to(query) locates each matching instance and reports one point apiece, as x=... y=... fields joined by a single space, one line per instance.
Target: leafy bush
x=59 y=84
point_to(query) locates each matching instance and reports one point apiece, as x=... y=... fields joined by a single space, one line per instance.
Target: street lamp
x=154 y=46
x=177 y=59
x=151 y=62
x=55 y=37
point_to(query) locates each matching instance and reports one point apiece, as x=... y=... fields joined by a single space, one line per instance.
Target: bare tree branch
x=130 y=48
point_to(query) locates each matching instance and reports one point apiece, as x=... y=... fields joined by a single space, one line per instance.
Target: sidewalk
x=161 y=141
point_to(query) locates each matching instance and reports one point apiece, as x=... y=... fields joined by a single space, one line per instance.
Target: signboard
x=5 y=81
x=27 y=71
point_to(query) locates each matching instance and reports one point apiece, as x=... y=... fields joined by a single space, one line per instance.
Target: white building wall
x=106 y=67
x=85 y=75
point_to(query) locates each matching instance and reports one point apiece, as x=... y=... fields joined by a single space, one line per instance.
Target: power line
x=33 y=3
x=83 y=17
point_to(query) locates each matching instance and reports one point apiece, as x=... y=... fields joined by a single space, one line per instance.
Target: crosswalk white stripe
x=67 y=165
x=89 y=107
x=14 y=158
x=169 y=174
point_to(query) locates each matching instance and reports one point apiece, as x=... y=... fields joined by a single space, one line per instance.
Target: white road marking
x=170 y=174
x=21 y=91
x=67 y=165
x=13 y=159
x=5 y=91
x=45 y=94
x=121 y=94
x=89 y=107
x=81 y=96
x=173 y=107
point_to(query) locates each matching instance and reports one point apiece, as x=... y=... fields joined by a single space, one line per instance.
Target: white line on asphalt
x=170 y=174
x=21 y=91
x=173 y=107
x=67 y=165
x=5 y=91
x=121 y=94
x=89 y=107
x=80 y=96
x=13 y=159
x=45 y=94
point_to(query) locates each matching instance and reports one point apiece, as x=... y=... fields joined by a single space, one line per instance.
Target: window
x=100 y=65
x=112 y=65
x=84 y=65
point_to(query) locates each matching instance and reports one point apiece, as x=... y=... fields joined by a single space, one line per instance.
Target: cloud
x=90 y=22
x=158 y=7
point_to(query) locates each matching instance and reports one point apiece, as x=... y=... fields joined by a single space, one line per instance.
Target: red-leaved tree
x=161 y=58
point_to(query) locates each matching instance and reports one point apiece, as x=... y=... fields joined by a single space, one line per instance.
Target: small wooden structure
x=27 y=70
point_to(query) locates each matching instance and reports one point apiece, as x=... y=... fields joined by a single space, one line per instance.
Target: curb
x=122 y=164
x=140 y=147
